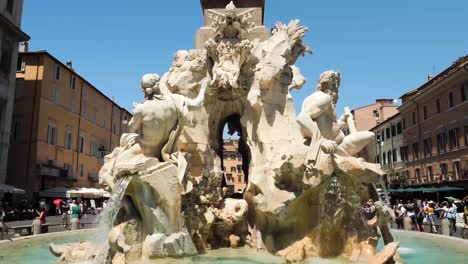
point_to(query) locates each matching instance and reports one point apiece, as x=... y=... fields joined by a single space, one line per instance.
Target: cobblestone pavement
x=55 y=224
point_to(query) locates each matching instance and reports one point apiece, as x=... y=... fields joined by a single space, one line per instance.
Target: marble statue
x=306 y=179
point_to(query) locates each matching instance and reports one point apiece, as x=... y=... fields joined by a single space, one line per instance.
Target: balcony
x=52 y=171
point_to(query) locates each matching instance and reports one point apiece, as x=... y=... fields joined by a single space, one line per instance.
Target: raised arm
x=198 y=101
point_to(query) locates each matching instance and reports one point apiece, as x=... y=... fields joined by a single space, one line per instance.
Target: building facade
x=10 y=36
x=435 y=126
x=391 y=150
x=232 y=166
x=368 y=116
x=62 y=126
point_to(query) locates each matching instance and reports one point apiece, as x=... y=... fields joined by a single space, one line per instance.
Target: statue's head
x=329 y=82
x=150 y=84
x=230 y=12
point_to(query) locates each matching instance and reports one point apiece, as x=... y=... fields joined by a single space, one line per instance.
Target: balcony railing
x=51 y=171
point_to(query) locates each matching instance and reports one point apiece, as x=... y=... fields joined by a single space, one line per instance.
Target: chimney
x=24 y=46
x=429 y=77
x=70 y=64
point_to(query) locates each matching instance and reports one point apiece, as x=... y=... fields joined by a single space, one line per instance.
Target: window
x=451 y=100
x=82 y=170
x=377 y=159
x=94 y=147
x=441 y=142
x=404 y=123
x=68 y=169
x=81 y=144
x=233 y=156
x=382 y=133
x=425 y=112
x=456 y=170
x=414 y=118
x=453 y=137
x=399 y=129
x=384 y=159
x=239 y=168
x=415 y=151
x=233 y=169
x=389 y=157
x=71 y=104
x=10 y=5
x=95 y=115
x=55 y=95
x=21 y=65
x=229 y=177
x=417 y=174
x=387 y=132
x=443 y=171
x=427 y=147
x=104 y=111
x=52 y=134
x=404 y=153
x=438 y=105
x=464 y=91
x=68 y=138
x=430 y=173
x=394 y=155
x=239 y=156
x=239 y=178
x=73 y=82
x=224 y=158
x=57 y=72
x=393 y=130
x=466 y=135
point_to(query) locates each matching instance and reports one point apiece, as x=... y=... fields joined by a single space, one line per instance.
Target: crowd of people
x=430 y=213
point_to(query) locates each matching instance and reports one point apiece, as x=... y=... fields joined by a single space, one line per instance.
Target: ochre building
x=435 y=127
x=62 y=126
x=232 y=163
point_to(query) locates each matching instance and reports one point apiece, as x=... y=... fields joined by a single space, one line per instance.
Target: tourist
x=453 y=216
x=64 y=207
x=400 y=213
x=42 y=204
x=3 y=226
x=75 y=210
x=41 y=215
x=431 y=216
x=420 y=214
x=410 y=212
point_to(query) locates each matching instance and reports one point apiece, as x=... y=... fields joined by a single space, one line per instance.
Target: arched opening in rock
x=235 y=155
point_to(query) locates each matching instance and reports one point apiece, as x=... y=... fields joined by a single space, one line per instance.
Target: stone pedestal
x=37 y=228
x=445 y=227
x=407 y=224
x=75 y=224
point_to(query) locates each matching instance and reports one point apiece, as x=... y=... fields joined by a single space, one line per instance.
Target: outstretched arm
x=198 y=101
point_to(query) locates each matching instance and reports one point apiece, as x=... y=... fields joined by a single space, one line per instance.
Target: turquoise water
x=415 y=248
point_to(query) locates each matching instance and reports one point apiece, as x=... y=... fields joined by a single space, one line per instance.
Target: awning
x=4 y=188
x=57 y=192
x=76 y=192
x=427 y=189
x=87 y=193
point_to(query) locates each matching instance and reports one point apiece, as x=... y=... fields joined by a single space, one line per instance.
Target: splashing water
x=107 y=217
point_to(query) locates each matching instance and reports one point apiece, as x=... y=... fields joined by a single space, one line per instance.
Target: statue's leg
x=355 y=142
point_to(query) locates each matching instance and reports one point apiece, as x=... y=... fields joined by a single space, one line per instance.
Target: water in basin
x=415 y=248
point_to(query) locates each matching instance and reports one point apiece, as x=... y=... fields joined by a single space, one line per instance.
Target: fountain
x=306 y=179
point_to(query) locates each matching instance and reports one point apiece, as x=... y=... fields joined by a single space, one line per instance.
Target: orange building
x=232 y=163
x=62 y=126
x=367 y=117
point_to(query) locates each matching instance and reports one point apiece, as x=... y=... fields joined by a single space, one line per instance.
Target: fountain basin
x=415 y=248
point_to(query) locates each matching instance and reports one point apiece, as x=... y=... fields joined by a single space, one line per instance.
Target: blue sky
x=381 y=48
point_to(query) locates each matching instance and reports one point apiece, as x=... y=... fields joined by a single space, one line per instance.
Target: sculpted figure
x=319 y=125
x=159 y=115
